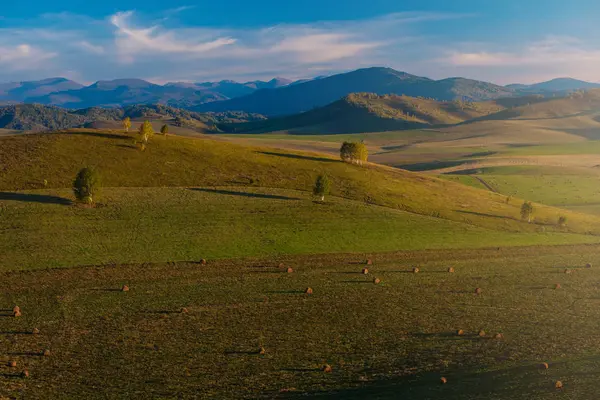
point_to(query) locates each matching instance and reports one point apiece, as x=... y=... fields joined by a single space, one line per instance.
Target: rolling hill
x=368 y=112
x=556 y=85
x=303 y=97
x=21 y=91
x=35 y=117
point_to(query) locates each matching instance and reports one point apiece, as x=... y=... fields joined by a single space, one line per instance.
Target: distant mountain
x=20 y=91
x=301 y=97
x=556 y=85
x=37 y=117
x=368 y=112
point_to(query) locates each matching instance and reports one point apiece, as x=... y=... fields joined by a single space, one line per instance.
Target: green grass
x=182 y=162
x=393 y=340
x=178 y=224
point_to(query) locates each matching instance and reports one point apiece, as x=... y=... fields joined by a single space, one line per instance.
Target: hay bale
x=478 y=291
x=17 y=314
x=35 y=331
x=11 y=364
x=451 y=270
x=377 y=281
x=46 y=353
x=125 y=288
x=499 y=336
x=588 y=265
x=481 y=333
x=16 y=309
x=369 y=262
x=25 y=374
x=290 y=270
x=416 y=270
x=443 y=380
x=558 y=385
x=308 y=291
x=203 y=261
x=460 y=332
x=365 y=271
x=262 y=351
x=326 y=368
x=184 y=310
x=557 y=286
x=544 y=366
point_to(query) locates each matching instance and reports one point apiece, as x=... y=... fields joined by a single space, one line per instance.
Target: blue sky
x=500 y=41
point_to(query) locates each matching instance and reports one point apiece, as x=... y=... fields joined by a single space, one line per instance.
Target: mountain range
x=277 y=97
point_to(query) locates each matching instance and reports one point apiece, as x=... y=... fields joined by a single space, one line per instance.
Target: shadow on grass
x=34 y=198
x=16 y=333
x=285 y=292
x=106 y=290
x=298 y=156
x=27 y=354
x=245 y=194
x=430 y=165
x=101 y=135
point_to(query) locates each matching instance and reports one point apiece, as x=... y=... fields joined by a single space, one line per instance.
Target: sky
x=509 y=41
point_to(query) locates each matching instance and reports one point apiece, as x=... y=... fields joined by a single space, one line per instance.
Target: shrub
x=526 y=211
x=86 y=185
x=164 y=130
x=562 y=221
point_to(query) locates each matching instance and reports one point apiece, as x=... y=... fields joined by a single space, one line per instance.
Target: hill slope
x=302 y=97
x=29 y=160
x=367 y=112
x=556 y=85
x=20 y=91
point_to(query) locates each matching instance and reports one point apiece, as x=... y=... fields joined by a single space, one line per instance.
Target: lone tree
x=146 y=132
x=322 y=186
x=164 y=130
x=127 y=124
x=86 y=185
x=526 y=211
x=354 y=152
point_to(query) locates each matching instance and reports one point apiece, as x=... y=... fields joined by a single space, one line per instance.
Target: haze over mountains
x=277 y=97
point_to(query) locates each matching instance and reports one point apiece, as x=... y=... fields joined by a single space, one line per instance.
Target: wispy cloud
x=23 y=57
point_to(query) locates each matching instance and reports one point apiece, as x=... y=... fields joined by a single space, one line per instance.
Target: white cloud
x=89 y=47
x=23 y=57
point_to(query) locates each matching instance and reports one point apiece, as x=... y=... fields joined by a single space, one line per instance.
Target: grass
x=390 y=340
x=179 y=224
x=183 y=162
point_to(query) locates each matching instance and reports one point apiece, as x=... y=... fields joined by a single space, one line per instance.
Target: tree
x=164 y=130
x=86 y=185
x=354 y=152
x=526 y=211
x=562 y=221
x=322 y=186
x=127 y=124
x=146 y=132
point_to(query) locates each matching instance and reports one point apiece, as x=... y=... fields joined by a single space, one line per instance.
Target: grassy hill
x=368 y=112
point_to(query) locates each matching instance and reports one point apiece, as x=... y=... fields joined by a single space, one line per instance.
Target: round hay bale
x=46 y=353
x=326 y=368
x=369 y=262
x=557 y=286
x=12 y=364
x=481 y=333
x=365 y=271
x=460 y=332
x=478 y=291
x=125 y=288
x=451 y=270
x=184 y=310
x=16 y=309
x=308 y=291
x=443 y=380
x=262 y=351
x=567 y=271
x=203 y=261
x=499 y=336
x=416 y=270
x=25 y=374
x=35 y=331
x=544 y=366
x=17 y=314
x=290 y=270
x=558 y=385
x=377 y=281
x=588 y=265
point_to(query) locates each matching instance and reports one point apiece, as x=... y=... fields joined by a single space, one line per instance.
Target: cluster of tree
x=354 y=152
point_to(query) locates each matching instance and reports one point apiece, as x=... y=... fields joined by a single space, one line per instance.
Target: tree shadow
x=298 y=156
x=100 y=134
x=35 y=198
x=245 y=194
